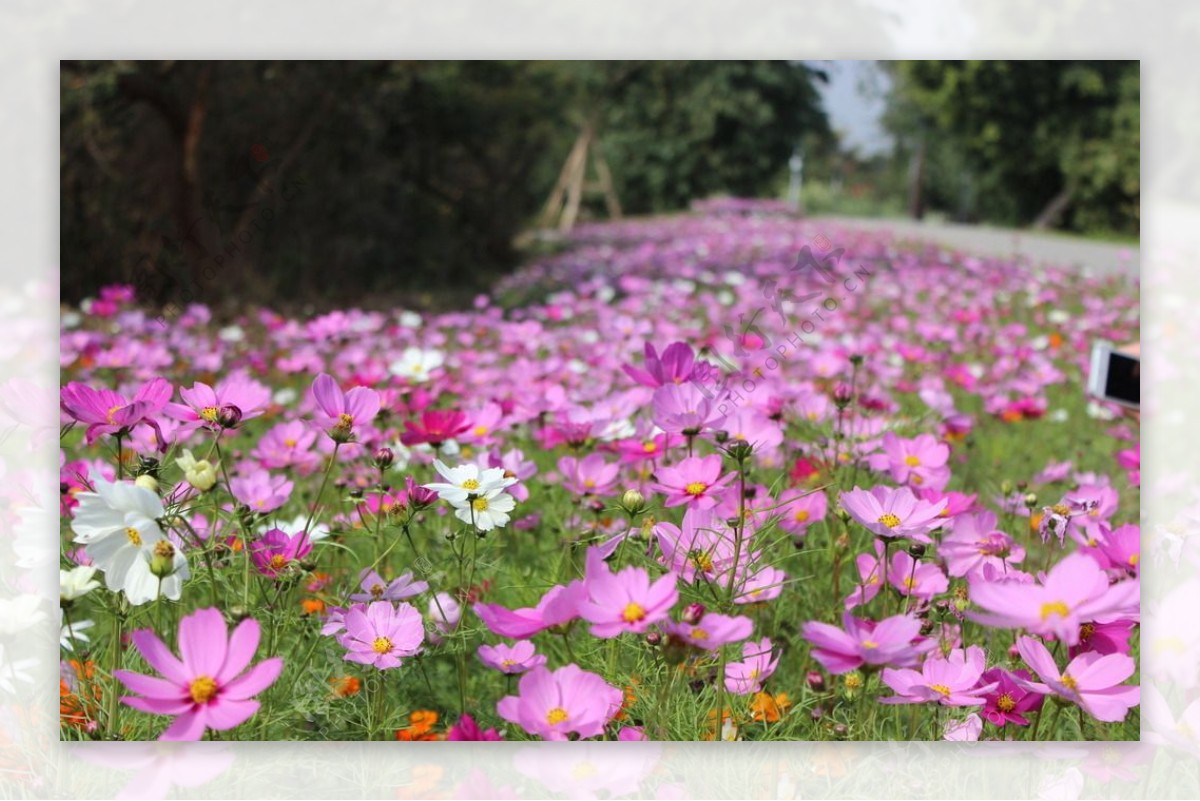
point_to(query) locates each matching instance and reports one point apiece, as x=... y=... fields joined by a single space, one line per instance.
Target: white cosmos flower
x=416 y=364
x=76 y=582
x=72 y=631
x=467 y=480
x=14 y=670
x=319 y=531
x=115 y=508
x=20 y=613
x=410 y=319
x=487 y=511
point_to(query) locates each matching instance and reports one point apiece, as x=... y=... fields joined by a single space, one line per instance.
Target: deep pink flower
x=468 y=730
x=1104 y=638
x=892 y=641
x=1118 y=550
x=676 y=366
x=1075 y=591
x=339 y=413
x=569 y=700
x=381 y=634
x=202 y=404
x=106 y=412
x=702 y=547
x=1009 y=701
x=952 y=680
x=626 y=601
x=696 y=481
x=1090 y=680
x=276 y=550
x=558 y=606
x=435 y=427
x=1131 y=460
x=519 y=657
x=591 y=475
x=974 y=541
x=890 y=512
x=747 y=676
x=208 y=687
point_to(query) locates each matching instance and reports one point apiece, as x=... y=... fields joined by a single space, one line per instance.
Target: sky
x=854 y=101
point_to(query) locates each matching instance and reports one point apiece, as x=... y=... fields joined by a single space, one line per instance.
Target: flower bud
x=1006 y=487
x=840 y=730
x=633 y=502
x=148 y=465
x=916 y=550
x=229 y=416
x=842 y=395
x=856 y=359
x=740 y=450
x=842 y=515
x=384 y=458
x=721 y=437
x=692 y=613
x=146 y=481
x=653 y=639
x=815 y=681
x=1031 y=500
x=162 y=563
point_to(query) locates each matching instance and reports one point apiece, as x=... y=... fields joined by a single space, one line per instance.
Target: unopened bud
x=740 y=450
x=146 y=481
x=840 y=730
x=633 y=502
x=384 y=458
x=1006 y=487
x=842 y=515
x=815 y=681
x=148 y=465
x=229 y=416
x=916 y=550
x=653 y=639
x=721 y=437
x=842 y=395
x=1031 y=500
x=856 y=359
x=692 y=613
x=162 y=563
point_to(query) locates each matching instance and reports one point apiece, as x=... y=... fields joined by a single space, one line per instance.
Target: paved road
x=1101 y=258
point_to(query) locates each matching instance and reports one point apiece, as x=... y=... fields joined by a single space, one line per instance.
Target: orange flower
x=1035 y=521
x=345 y=686
x=768 y=708
x=420 y=727
x=80 y=706
x=1056 y=340
x=312 y=606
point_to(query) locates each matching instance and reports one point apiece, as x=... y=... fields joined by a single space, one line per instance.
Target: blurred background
x=307 y=185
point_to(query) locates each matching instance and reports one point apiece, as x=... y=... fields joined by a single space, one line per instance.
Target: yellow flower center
x=633 y=613
x=869 y=644
x=507 y=662
x=649 y=447
x=1086 y=631
x=584 y=770
x=556 y=715
x=695 y=488
x=1005 y=703
x=209 y=413
x=112 y=412
x=470 y=484
x=134 y=537
x=278 y=561
x=1061 y=509
x=479 y=504
x=344 y=422
x=589 y=484
x=377 y=590
x=910 y=583
x=1056 y=608
x=889 y=520
x=1069 y=682
x=382 y=645
x=203 y=689
x=941 y=689
x=289 y=442
x=912 y=461
x=853 y=681
x=801 y=515
x=1134 y=559
x=699 y=634
x=479 y=431
x=702 y=561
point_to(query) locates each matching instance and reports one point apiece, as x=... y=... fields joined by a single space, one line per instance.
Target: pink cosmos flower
x=974 y=541
x=696 y=481
x=710 y=632
x=202 y=404
x=339 y=413
x=435 y=427
x=380 y=634
x=261 y=491
x=1118 y=550
x=276 y=550
x=703 y=547
x=747 y=424
x=286 y=445
x=919 y=462
x=684 y=409
x=676 y=366
x=106 y=412
x=591 y=475
x=963 y=731
x=1075 y=591
x=375 y=588
x=892 y=641
x=209 y=686
x=870 y=577
x=952 y=680
x=627 y=601
x=747 y=676
x=1009 y=701
x=559 y=605
x=1104 y=638
x=890 y=512
x=1131 y=460
x=519 y=657
x=915 y=578
x=764 y=584
x=1090 y=680
x=799 y=509
x=553 y=704
x=467 y=730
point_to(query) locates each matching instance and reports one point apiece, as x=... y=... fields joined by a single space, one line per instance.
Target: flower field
x=724 y=475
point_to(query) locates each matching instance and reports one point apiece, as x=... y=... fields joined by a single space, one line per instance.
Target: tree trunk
x=1050 y=215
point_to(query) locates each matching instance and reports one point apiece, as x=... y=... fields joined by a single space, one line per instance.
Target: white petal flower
x=76 y=582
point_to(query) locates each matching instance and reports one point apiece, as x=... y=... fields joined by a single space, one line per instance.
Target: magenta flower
x=276 y=550
x=1090 y=680
x=952 y=680
x=337 y=412
x=467 y=730
x=380 y=634
x=558 y=606
x=703 y=547
x=1118 y=550
x=871 y=573
x=890 y=512
x=918 y=462
x=590 y=475
x=209 y=686
x=1075 y=591
x=676 y=366
x=627 y=601
x=747 y=676
x=519 y=657
x=684 y=409
x=106 y=412
x=913 y=577
x=974 y=541
x=1104 y=638
x=800 y=509
x=261 y=491
x=286 y=445
x=375 y=588
x=435 y=427
x=892 y=641
x=202 y=404
x=696 y=481
x=710 y=632
x=1009 y=701
x=566 y=701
